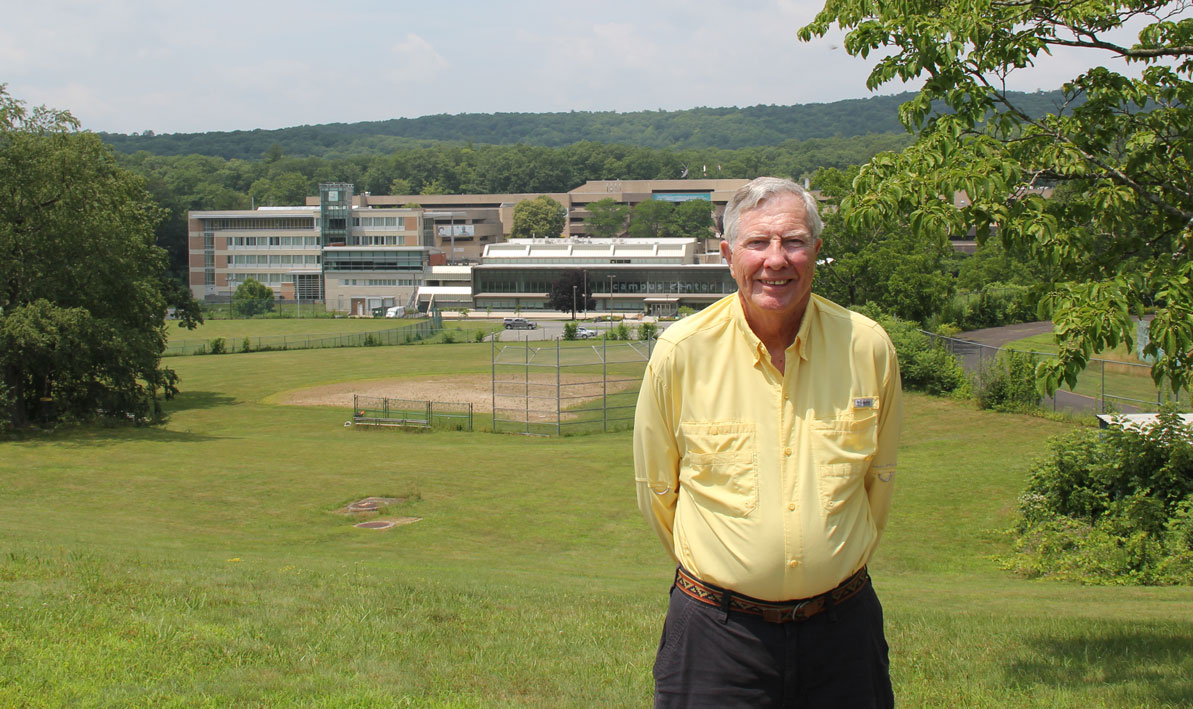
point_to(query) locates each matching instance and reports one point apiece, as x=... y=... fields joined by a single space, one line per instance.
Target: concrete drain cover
x=369 y=504
x=376 y=524
x=383 y=524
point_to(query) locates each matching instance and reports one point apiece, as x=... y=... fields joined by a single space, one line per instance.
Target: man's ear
x=726 y=252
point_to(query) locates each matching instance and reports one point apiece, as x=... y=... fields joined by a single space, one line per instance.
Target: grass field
x=202 y=563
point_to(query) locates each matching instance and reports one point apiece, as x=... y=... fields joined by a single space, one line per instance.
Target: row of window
x=310 y=242
x=246 y=223
x=376 y=221
x=273 y=259
x=378 y=282
x=569 y=260
x=266 y=278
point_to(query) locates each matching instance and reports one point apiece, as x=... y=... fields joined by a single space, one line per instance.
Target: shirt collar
x=800 y=345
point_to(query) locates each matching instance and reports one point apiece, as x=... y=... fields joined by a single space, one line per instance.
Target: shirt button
x=786 y=451
x=793 y=563
x=791 y=506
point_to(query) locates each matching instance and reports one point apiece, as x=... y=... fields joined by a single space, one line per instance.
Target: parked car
x=584 y=333
x=519 y=324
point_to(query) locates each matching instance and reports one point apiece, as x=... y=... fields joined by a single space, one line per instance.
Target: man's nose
x=775 y=255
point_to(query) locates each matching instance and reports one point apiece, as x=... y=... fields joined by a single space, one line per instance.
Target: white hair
x=749 y=195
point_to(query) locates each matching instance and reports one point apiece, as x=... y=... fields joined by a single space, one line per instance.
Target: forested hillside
x=697 y=128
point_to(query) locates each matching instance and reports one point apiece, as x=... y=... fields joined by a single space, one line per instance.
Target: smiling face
x=773 y=259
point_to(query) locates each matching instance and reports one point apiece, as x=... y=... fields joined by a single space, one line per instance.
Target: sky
x=126 y=66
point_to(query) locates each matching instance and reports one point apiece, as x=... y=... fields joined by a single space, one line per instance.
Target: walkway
x=975 y=347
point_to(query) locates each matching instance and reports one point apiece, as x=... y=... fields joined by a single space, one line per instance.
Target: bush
x=478 y=336
x=925 y=365
x=995 y=305
x=1112 y=506
x=218 y=346
x=371 y=340
x=648 y=331
x=246 y=345
x=1008 y=383
x=252 y=298
x=570 y=329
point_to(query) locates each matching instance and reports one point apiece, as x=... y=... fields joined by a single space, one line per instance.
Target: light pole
x=586 y=294
x=611 y=279
x=573 y=302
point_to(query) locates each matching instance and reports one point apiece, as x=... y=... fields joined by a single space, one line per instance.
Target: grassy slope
x=201 y=562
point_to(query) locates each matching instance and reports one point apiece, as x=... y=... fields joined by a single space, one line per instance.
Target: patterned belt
x=783 y=612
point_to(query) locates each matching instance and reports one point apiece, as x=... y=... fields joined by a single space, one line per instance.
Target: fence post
x=1102 y=403
x=558 y=400
x=526 y=378
x=493 y=379
x=605 y=384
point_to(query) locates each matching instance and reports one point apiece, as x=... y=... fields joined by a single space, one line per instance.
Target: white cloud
x=416 y=61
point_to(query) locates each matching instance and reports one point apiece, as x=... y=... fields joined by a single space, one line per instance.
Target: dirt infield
x=475 y=389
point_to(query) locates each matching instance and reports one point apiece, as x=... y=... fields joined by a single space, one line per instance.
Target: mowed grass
x=1118 y=375
x=201 y=563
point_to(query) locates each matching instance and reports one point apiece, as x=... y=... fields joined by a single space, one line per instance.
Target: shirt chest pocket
x=719 y=468
x=843 y=448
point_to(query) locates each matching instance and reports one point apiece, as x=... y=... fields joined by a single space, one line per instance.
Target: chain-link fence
x=1104 y=386
x=411 y=413
x=561 y=387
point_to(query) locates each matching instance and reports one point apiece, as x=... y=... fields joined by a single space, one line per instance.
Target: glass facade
x=640 y=281
x=367 y=260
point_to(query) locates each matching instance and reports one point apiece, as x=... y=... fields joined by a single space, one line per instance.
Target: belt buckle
x=796 y=609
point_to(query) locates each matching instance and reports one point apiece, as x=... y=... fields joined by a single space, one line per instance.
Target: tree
x=83 y=297
x=652 y=218
x=693 y=218
x=538 y=217
x=563 y=298
x=252 y=297
x=1117 y=149
x=607 y=218
x=885 y=265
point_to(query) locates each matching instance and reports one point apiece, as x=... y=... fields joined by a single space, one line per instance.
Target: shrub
x=478 y=336
x=685 y=311
x=1008 y=383
x=218 y=346
x=648 y=331
x=1110 y=506
x=246 y=345
x=925 y=365
x=449 y=337
x=371 y=340
x=570 y=329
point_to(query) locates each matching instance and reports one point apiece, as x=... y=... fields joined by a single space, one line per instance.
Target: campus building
x=351 y=258
x=651 y=276
x=357 y=252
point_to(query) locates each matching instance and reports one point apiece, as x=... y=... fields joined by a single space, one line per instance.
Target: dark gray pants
x=710 y=658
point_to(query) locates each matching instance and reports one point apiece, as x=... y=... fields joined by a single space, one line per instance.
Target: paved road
x=984 y=348
x=552 y=329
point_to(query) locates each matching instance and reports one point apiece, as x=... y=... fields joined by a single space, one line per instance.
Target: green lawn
x=1118 y=375
x=201 y=563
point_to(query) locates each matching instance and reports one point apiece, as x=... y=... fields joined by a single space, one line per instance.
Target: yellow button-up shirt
x=775 y=485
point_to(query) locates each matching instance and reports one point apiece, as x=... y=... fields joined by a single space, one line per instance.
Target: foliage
x=252 y=297
x=538 y=217
x=994 y=305
x=886 y=265
x=1006 y=383
x=1111 y=506
x=647 y=331
x=693 y=218
x=218 y=345
x=607 y=218
x=652 y=218
x=1117 y=149
x=567 y=293
x=924 y=364
x=570 y=329
x=838 y=123
x=685 y=310
x=82 y=296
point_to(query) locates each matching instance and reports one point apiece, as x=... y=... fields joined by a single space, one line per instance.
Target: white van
x=396 y=311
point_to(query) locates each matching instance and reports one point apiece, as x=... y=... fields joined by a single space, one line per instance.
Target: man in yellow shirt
x=764 y=455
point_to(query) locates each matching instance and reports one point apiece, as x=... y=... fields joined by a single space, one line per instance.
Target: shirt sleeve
x=880 y=479
x=656 y=458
